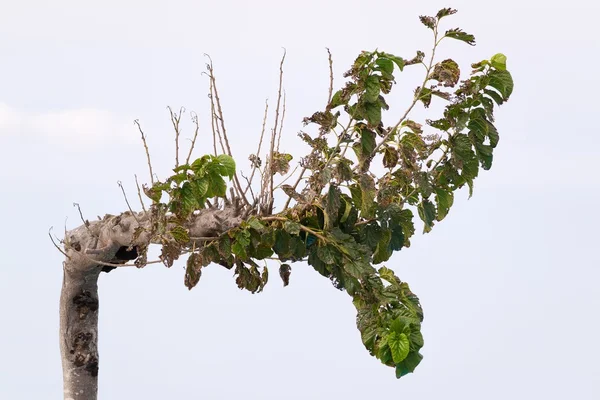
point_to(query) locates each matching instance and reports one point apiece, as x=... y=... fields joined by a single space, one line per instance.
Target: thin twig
x=55 y=245
x=262 y=134
x=175 y=119
x=195 y=121
x=269 y=166
x=137 y=122
x=86 y=223
x=127 y=201
x=236 y=181
x=249 y=186
x=139 y=193
x=330 y=76
x=282 y=120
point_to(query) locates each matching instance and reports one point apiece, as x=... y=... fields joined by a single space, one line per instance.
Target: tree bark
x=79 y=332
x=109 y=240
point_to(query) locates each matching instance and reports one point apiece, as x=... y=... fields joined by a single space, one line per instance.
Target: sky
x=508 y=281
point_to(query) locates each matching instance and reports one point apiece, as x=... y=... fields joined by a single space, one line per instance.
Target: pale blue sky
x=509 y=281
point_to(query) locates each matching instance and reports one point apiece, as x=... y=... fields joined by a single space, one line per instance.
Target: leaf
x=228 y=164
x=390 y=157
x=458 y=34
x=280 y=163
x=332 y=206
x=399 y=61
x=447 y=73
x=180 y=234
x=367 y=142
x=385 y=64
x=427 y=214
x=373 y=113
x=327 y=253
x=444 y=200
x=291 y=227
x=216 y=185
x=427 y=21
x=284 y=272
x=336 y=100
x=367 y=188
x=503 y=82
x=282 y=244
x=383 y=252
x=255 y=224
x=444 y=12
x=408 y=364
x=399 y=345
x=424 y=96
x=193 y=270
x=372 y=88
x=498 y=61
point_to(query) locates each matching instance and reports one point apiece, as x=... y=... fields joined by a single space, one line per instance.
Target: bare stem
x=127 y=201
x=195 y=121
x=221 y=119
x=262 y=134
x=330 y=76
x=175 y=119
x=137 y=184
x=269 y=168
x=137 y=122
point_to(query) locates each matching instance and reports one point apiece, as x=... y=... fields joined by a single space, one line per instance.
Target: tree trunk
x=79 y=332
x=113 y=240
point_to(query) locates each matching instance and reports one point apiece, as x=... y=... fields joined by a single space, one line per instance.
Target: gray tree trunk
x=88 y=248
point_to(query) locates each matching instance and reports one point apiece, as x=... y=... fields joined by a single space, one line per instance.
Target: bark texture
x=114 y=240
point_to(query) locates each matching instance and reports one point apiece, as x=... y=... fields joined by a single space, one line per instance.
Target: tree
x=351 y=205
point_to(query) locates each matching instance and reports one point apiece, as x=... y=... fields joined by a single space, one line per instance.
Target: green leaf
x=385 y=64
x=367 y=187
x=367 y=142
x=180 y=234
x=427 y=214
x=498 y=61
x=383 y=252
x=399 y=61
x=458 y=34
x=216 y=186
x=444 y=200
x=372 y=88
x=399 y=345
x=409 y=364
x=255 y=224
x=373 y=113
x=332 y=206
x=502 y=81
x=282 y=244
x=291 y=227
x=336 y=100
x=424 y=96
x=228 y=164
x=328 y=254
x=494 y=95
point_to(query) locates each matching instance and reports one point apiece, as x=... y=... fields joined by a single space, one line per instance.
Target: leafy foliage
x=348 y=218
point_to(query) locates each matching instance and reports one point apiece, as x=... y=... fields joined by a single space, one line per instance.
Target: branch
x=195 y=121
x=137 y=122
x=175 y=119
